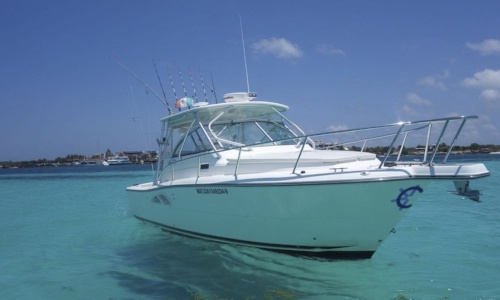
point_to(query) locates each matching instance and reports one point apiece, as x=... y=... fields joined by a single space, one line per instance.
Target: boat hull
x=326 y=219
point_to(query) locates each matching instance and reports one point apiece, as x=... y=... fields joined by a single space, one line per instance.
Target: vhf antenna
x=244 y=55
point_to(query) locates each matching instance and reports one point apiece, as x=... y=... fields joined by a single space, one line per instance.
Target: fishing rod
x=192 y=83
x=213 y=87
x=203 y=85
x=173 y=87
x=161 y=85
x=203 y=82
x=182 y=82
x=145 y=84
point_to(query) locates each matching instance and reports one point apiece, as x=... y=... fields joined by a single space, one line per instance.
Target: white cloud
x=486 y=47
x=337 y=127
x=280 y=47
x=416 y=99
x=491 y=98
x=330 y=50
x=408 y=110
x=484 y=79
x=432 y=82
x=453 y=114
x=489 y=81
x=490 y=94
x=435 y=80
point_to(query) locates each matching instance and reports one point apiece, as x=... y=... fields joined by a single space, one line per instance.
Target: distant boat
x=119 y=160
x=495 y=152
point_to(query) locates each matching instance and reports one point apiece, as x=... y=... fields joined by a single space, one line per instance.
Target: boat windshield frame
x=211 y=129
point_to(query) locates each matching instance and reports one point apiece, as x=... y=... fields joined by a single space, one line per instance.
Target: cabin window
x=245 y=133
x=195 y=142
x=254 y=132
x=278 y=132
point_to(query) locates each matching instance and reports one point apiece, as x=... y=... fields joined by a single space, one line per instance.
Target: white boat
x=118 y=159
x=240 y=172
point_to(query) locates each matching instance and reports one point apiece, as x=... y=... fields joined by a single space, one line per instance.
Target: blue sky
x=337 y=64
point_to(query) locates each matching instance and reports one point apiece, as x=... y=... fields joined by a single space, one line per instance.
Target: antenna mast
x=244 y=55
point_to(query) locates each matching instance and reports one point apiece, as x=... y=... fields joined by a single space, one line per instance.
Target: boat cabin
x=227 y=125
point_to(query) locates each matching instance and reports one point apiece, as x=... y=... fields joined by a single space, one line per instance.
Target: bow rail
x=431 y=133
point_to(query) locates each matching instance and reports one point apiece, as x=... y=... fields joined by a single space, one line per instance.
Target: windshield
x=254 y=132
x=219 y=127
x=235 y=134
x=195 y=141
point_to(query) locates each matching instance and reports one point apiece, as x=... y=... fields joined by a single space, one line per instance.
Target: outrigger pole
x=145 y=84
x=161 y=85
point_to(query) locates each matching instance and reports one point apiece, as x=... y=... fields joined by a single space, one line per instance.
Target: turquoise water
x=65 y=234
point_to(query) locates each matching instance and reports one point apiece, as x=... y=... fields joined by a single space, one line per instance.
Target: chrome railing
x=431 y=132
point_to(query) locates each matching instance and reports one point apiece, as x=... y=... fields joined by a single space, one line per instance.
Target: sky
x=336 y=64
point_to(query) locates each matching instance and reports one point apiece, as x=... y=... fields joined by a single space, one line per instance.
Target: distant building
x=141 y=156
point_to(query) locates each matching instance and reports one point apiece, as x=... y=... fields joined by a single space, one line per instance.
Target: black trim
x=305 y=251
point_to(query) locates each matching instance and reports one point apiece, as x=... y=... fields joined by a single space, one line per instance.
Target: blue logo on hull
x=404 y=196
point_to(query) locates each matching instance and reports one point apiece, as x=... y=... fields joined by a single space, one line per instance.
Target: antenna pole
x=244 y=55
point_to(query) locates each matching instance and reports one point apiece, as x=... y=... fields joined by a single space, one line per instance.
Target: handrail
x=300 y=155
x=455 y=138
x=221 y=139
x=439 y=140
x=398 y=127
x=389 y=150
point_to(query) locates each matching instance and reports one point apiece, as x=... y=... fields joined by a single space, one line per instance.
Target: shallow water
x=65 y=234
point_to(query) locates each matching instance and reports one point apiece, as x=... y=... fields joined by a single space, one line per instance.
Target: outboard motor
x=463 y=189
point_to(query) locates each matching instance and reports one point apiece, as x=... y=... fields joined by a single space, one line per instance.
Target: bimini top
x=224 y=112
